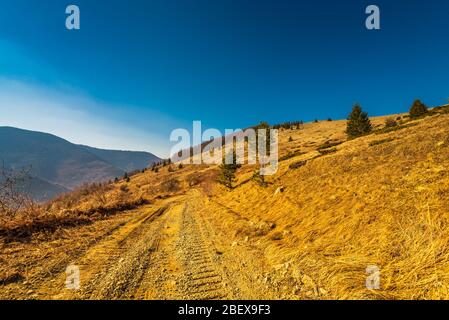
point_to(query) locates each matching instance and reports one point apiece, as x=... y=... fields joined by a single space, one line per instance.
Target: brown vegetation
x=334 y=208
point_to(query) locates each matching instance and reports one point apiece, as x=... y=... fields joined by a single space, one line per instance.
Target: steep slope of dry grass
x=383 y=204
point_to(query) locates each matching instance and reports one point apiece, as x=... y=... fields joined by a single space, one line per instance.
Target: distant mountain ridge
x=58 y=165
x=126 y=161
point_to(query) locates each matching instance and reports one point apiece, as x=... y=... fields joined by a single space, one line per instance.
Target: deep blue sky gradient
x=233 y=63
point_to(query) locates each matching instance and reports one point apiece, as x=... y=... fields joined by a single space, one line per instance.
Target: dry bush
x=329 y=144
x=12 y=192
x=328 y=151
x=390 y=122
x=193 y=179
x=124 y=188
x=81 y=194
x=297 y=164
x=35 y=219
x=171 y=185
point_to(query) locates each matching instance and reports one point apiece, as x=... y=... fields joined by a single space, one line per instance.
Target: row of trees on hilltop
x=289 y=125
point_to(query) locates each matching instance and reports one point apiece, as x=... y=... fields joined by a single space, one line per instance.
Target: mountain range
x=57 y=165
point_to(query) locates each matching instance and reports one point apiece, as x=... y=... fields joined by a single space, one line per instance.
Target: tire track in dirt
x=175 y=251
x=195 y=262
x=204 y=280
x=183 y=267
x=121 y=279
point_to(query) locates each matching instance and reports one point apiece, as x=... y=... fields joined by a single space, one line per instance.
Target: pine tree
x=227 y=172
x=417 y=109
x=358 y=122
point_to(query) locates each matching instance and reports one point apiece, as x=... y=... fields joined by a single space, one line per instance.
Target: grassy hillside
x=381 y=199
x=377 y=200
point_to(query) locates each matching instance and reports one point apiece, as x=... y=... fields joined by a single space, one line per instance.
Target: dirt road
x=172 y=251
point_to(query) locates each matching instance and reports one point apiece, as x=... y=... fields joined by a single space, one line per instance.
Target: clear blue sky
x=138 y=69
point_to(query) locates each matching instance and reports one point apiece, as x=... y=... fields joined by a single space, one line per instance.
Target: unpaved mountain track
x=184 y=266
x=112 y=268
x=167 y=252
x=204 y=277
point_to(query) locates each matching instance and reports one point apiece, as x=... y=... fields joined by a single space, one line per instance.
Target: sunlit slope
x=334 y=208
x=377 y=200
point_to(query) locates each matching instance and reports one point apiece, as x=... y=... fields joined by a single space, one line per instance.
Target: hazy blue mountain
x=57 y=165
x=125 y=160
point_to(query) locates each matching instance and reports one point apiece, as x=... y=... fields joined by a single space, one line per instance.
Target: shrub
x=329 y=144
x=194 y=180
x=171 y=185
x=377 y=142
x=358 y=123
x=390 y=122
x=297 y=165
x=417 y=109
x=13 y=196
x=395 y=128
x=327 y=151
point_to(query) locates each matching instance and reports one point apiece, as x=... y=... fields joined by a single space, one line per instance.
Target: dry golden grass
x=384 y=205
x=381 y=199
